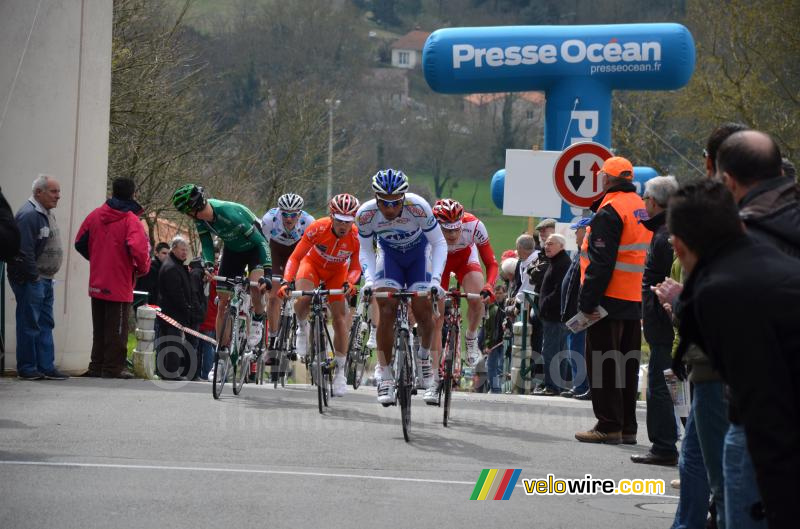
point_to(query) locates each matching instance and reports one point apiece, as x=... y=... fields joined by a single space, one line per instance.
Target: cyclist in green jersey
x=244 y=247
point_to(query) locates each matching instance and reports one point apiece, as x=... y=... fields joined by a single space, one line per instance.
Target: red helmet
x=448 y=212
x=344 y=207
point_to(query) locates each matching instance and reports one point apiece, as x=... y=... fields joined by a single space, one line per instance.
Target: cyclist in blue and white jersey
x=283 y=227
x=404 y=227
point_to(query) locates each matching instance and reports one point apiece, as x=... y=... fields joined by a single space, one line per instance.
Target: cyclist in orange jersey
x=328 y=251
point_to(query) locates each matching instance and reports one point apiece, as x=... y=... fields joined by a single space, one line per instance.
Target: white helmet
x=290 y=202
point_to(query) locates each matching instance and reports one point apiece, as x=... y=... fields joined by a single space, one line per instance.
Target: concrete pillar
x=55 y=90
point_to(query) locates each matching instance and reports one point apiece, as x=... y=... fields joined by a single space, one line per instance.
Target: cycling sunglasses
x=390 y=203
x=290 y=214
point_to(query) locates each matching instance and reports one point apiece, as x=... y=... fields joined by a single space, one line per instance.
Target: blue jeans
x=741 y=491
x=662 y=429
x=693 y=503
x=205 y=354
x=494 y=367
x=554 y=341
x=710 y=410
x=576 y=343
x=35 y=348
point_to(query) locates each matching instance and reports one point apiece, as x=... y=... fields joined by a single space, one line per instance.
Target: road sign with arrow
x=575 y=174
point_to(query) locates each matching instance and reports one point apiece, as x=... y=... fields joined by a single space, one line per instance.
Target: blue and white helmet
x=390 y=182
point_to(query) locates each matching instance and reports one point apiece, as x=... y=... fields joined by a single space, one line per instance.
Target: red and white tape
x=181 y=327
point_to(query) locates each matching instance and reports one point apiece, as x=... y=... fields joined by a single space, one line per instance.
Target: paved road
x=93 y=453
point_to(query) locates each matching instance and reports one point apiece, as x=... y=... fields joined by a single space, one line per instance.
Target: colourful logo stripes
x=496 y=484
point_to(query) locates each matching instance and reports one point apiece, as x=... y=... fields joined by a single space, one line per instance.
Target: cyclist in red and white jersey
x=467 y=245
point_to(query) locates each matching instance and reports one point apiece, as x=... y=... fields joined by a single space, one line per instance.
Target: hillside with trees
x=239 y=95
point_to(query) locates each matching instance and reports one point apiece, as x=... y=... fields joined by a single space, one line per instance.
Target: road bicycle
x=235 y=359
x=319 y=357
x=285 y=344
x=357 y=351
x=404 y=361
x=450 y=361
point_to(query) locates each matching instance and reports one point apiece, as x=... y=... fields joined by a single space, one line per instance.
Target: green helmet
x=188 y=198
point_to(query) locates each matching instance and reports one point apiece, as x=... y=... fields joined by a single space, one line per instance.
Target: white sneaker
x=473 y=351
x=376 y=375
x=372 y=343
x=431 y=396
x=339 y=381
x=386 y=392
x=426 y=372
x=301 y=345
x=256 y=333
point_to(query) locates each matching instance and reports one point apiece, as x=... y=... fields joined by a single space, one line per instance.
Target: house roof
x=537 y=98
x=413 y=40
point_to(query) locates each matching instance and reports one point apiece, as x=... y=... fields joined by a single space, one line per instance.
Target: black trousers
x=176 y=354
x=613 y=351
x=109 y=337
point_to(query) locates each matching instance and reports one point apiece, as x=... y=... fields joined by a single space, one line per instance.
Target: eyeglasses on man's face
x=290 y=214
x=390 y=203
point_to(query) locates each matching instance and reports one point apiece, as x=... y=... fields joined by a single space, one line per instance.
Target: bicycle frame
x=237 y=353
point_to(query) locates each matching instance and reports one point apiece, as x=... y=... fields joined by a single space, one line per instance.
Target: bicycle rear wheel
x=405 y=381
x=447 y=383
x=360 y=366
x=352 y=352
x=221 y=365
x=260 y=368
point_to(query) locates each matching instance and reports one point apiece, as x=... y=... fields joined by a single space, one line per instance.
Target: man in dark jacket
x=661 y=427
x=114 y=241
x=749 y=163
x=31 y=274
x=612 y=264
x=149 y=283
x=176 y=358
x=9 y=233
x=576 y=342
x=741 y=305
x=554 y=332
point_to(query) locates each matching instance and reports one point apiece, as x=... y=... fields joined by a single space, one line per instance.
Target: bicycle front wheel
x=241 y=366
x=405 y=381
x=447 y=383
x=316 y=364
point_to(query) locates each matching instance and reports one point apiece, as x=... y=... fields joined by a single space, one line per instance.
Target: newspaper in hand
x=580 y=322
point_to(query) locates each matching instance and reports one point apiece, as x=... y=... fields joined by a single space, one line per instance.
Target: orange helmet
x=344 y=207
x=448 y=212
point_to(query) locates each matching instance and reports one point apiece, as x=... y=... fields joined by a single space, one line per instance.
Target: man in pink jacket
x=116 y=245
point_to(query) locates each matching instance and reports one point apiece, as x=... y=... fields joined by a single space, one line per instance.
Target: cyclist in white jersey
x=283 y=228
x=404 y=227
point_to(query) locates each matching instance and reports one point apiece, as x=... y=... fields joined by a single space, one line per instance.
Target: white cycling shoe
x=372 y=343
x=301 y=345
x=425 y=372
x=473 y=351
x=431 y=396
x=386 y=392
x=339 y=381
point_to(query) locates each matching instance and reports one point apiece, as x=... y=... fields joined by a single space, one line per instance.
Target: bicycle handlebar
x=235 y=281
x=301 y=293
x=401 y=295
x=466 y=295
